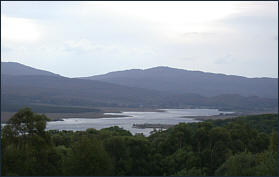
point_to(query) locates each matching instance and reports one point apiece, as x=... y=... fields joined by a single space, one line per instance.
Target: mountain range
x=161 y=86
x=180 y=81
x=17 y=69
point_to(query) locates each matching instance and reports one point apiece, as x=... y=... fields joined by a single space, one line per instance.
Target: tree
x=117 y=149
x=262 y=141
x=192 y=172
x=181 y=135
x=23 y=125
x=274 y=142
x=89 y=158
x=27 y=149
x=139 y=149
x=219 y=140
x=201 y=136
x=241 y=164
x=266 y=164
x=248 y=164
x=243 y=136
x=181 y=159
x=117 y=131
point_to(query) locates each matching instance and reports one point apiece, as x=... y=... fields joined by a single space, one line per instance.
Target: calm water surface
x=169 y=116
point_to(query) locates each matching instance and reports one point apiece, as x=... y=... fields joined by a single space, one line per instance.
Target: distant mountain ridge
x=56 y=87
x=180 y=81
x=57 y=90
x=42 y=87
x=17 y=69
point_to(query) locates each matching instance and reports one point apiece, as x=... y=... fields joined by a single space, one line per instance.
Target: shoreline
x=146 y=125
x=227 y=116
x=58 y=116
x=93 y=115
x=5 y=116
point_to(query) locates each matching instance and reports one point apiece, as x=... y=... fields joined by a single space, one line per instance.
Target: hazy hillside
x=231 y=101
x=180 y=81
x=13 y=68
x=40 y=88
x=47 y=88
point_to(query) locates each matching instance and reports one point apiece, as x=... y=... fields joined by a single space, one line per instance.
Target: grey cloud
x=36 y=9
x=80 y=47
x=275 y=37
x=21 y=49
x=113 y=49
x=253 y=24
x=6 y=48
x=187 y=58
x=119 y=40
x=43 y=48
x=10 y=48
x=257 y=36
x=225 y=60
x=196 y=33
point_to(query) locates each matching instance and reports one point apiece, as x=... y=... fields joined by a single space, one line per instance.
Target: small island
x=146 y=125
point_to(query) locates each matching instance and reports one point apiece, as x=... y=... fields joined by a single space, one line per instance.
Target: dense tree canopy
x=233 y=147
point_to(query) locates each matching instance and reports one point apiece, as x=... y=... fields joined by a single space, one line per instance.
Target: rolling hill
x=180 y=81
x=32 y=86
x=42 y=87
x=17 y=69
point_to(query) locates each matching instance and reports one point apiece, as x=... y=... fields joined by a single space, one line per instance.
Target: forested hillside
x=243 y=146
x=179 y=81
x=57 y=90
x=159 y=87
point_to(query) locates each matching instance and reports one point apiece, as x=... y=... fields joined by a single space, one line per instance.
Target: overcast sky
x=76 y=39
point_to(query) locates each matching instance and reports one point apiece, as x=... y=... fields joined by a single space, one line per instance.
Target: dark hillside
x=225 y=101
x=59 y=90
x=180 y=81
x=53 y=87
x=12 y=68
x=161 y=87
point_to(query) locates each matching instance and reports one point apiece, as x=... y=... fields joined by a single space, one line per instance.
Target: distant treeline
x=223 y=102
x=48 y=108
x=243 y=146
x=10 y=100
x=265 y=123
